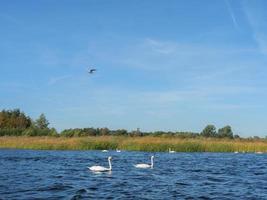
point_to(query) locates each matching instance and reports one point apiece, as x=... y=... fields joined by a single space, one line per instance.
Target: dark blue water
x=26 y=174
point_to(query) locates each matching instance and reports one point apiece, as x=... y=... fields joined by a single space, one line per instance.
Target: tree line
x=224 y=132
x=16 y=123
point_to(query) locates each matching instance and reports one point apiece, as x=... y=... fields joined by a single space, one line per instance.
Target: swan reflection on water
x=102 y=172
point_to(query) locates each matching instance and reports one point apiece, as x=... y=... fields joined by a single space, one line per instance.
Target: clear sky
x=162 y=65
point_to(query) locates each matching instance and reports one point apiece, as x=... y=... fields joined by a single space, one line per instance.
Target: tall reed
x=147 y=143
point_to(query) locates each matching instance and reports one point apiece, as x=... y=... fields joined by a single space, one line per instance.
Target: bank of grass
x=147 y=143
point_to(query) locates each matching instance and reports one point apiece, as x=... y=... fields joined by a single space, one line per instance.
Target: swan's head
x=109 y=157
x=152 y=157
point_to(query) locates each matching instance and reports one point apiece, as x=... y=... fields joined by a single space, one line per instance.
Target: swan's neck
x=109 y=162
x=152 y=163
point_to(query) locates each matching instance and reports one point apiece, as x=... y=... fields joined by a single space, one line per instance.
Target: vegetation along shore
x=19 y=131
x=146 y=143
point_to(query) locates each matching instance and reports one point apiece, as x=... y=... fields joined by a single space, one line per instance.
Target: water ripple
x=26 y=174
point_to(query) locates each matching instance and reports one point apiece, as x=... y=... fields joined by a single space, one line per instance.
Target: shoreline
x=146 y=144
x=123 y=150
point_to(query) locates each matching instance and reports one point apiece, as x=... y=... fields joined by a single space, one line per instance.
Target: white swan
x=117 y=150
x=171 y=151
x=259 y=152
x=145 y=166
x=104 y=150
x=100 y=168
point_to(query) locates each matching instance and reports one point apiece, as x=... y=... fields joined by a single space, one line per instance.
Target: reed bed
x=148 y=143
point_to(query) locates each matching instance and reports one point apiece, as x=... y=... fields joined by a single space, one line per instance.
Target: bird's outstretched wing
x=91 y=71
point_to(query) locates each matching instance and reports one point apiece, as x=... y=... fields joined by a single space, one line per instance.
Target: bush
x=11 y=132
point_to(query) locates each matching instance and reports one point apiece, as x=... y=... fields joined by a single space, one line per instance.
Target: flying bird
x=91 y=71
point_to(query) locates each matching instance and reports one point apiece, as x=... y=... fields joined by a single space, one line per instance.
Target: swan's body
x=100 y=168
x=236 y=152
x=170 y=151
x=259 y=152
x=145 y=166
x=104 y=151
x=117 y=150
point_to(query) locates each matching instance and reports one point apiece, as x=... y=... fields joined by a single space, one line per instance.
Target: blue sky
x=162 y=65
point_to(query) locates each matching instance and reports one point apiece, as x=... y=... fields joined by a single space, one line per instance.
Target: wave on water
x=64 y=175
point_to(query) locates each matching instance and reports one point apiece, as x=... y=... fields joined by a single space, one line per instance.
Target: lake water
x=27 y=174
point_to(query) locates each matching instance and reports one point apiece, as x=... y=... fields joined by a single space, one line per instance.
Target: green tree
x=104 y=131
x=30 y=132
x=42 y=122
x=90 y=132
x=137 y=132
x=53 y=132
x=14 y=119
x=120 y=132
x=209 y=131
x=256 y=137
x=236 y=136
x=226 y=132
x=67 y=133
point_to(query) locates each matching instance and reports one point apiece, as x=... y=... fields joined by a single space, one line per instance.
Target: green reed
x=147 y=143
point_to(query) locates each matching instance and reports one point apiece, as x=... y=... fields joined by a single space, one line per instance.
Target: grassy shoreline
x=148 y=143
